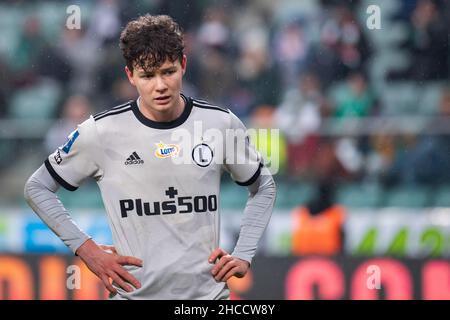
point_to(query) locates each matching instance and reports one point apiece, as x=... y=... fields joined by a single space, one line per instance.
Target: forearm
x=40 y=194
x=257 y=214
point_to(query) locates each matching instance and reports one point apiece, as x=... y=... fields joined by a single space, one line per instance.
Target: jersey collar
x=163 y=125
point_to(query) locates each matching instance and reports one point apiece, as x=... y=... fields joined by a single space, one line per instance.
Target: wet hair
x=149 y=41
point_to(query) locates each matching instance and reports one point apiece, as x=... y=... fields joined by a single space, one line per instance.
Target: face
x=159 y=89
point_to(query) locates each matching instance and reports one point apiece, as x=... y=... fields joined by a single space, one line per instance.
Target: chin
x=163 y=108
x=160 y=107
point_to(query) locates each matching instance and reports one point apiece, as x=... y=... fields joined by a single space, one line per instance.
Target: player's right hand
x=106 y=264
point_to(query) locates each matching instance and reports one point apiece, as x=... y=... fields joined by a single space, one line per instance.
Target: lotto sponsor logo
x=166 y=150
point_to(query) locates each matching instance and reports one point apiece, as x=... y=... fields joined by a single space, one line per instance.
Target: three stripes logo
x=134 y=159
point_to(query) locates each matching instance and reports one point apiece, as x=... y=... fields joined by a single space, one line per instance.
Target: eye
x=169 y=72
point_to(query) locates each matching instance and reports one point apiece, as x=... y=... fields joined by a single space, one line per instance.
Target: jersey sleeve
x=242 y=160
x=77 y=159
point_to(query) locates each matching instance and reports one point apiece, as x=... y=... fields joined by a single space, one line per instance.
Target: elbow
x=273 y=185
x=31 y=188
x=270 y=184
x=268 y=187
x=273 y=188
x=27 y=190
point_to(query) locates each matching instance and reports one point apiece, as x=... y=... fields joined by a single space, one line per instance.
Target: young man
x=161 y=196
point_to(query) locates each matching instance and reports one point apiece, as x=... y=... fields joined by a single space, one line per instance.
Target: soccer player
x=161 y=194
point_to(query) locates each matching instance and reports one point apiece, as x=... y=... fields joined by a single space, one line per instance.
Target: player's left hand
x=227 y=265
x=108 y=248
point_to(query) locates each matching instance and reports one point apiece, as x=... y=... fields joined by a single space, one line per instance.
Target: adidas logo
x=134 y=159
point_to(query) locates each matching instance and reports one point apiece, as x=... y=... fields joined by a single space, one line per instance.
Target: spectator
x=342 y=48
x=358 y=100
x=26 y=53
x=105 y=21
x=257 y=75
x=317 y=227
x=402 y=169
x=428 y=43
x=75 y=110
x=428 y=161
x=83 y=53
x=291 y=49
x=327 y=166
x=299 y=117
x=381 y=154
x=215 y=70
x=423 y=159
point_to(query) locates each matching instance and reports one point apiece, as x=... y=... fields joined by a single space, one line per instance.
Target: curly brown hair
x=149 y=40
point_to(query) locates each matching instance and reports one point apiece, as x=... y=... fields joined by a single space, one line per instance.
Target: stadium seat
x=338 y=92
x=359 y=195
x=50 y=18
x=409 y=197
x=382 y=62
x=8 y=43
x=10 y=22
x=288 y=195
x=292 y=195
x=430 y=98
x=7 y=150
x=87 y=196
x=400 y=98
x=37 y=102
x=233 y=196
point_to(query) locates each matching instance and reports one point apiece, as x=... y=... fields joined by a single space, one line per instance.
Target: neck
x=162 y=116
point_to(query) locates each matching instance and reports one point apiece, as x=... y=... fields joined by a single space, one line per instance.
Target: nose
x=160 y=84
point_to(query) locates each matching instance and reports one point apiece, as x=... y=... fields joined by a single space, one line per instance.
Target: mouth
x=162 y=100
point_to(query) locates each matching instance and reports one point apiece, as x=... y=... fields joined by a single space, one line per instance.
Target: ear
x=130 y=75
x=183 y=64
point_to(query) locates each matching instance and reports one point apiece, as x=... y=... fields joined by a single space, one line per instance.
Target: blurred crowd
x=291 y=65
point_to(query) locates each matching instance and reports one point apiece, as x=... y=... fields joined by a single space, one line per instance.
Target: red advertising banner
x=56 y=277
x=305 y=278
